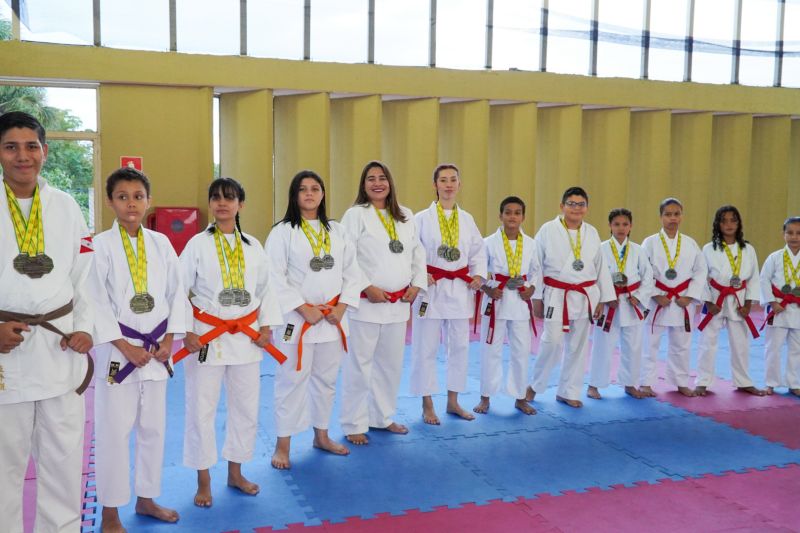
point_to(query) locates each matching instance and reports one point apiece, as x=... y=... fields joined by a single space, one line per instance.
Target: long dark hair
x=391 y=199
x=716 y=232
x=230 y=189
x=293 y=216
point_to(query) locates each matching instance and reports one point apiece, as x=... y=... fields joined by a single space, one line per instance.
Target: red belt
x=306 y=326
x=673 y=292
x=392 y=296
x=492 y=310
x=724 y=292
x=235 y=325
x=785 y=299
x=612 y=311
x=462 y=274
x=567 y=287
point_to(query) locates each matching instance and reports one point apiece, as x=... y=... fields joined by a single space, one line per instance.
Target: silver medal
x=226 y=297
x=442 y=250
x=514 y=283
x=396 y=246
x=142 y=303
x=327 y=261
x=786 y=289
x=33 y=266
x=736 y=282
x=577 y=265
x=454 y=254
x=671 y=274
x=619 y=279
x=315 y=264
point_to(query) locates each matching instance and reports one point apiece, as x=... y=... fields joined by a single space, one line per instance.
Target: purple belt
x=150 y=341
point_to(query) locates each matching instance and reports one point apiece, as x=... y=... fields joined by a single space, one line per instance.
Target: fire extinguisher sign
x=131 y=161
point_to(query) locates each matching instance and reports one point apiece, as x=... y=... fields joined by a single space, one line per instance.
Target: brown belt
x=44 y=321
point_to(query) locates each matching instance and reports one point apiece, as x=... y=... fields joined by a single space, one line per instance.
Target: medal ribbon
x=448 y=228
x=318 y=240
x=389 y=225
x=736 y=262
x=790 y=273
x=514 y=259
x=137 y=262
x=576 y=244
x=231 y=261
x=30 y=233
x=623 y=260
x=671 y=261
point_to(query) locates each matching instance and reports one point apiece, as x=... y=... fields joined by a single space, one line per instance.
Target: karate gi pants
x=774 y=339
x=738 y=344
x=203 y=383
x=52 y=430
x=119 y=410
x=371 y=375
x=629 y=339
x=519 y=340
x=680 y=342
x=426 y=335
x=574 y=347
x=304 y=398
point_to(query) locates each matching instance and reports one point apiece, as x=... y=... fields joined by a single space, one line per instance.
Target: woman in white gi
x=456 y=260
x=318 y=261
x=575 y=283
x=514 y=273
x=680 y=274
x=780 y=290
x=228 y=274
x=140 y=310
x=392 y=258
x=633 y=280
x=733 y=286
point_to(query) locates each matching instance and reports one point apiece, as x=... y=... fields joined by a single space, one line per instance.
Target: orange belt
x=233 y=326
x=724 y=292
x=307 y=326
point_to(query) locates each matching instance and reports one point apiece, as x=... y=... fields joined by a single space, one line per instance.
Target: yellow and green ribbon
x=137 y=261
x=448 y=227
x=30 y=232
x=514 y=259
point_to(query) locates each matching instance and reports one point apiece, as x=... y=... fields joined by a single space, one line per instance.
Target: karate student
x=45 y=319
x=141 y=309
x=780 y=289
x=318 y=261
x=227 y=272
x=633 y=281
x=680 y=274
x=514 y=273
x=391 y=257
x=456 y=260
x=733 y=286
x=576 y=283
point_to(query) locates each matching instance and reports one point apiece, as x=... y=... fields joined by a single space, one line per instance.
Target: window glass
x=211 y=28
x=121 y=23
x=402 y=32
x=275 y=29
x=461 y=34
x=668 y=20
x=713 y=40
x=791 y=39
x=619 y=47
x=568 y=37
x=516 y=34
x=339 y=30
x=57 y=21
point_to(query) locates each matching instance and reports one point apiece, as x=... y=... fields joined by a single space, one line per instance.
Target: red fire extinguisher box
x=179 y=224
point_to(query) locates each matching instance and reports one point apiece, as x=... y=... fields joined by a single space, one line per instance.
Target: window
x=713 y=40
x=402 y=32
x=619 y=50
x=791 y=37
x=56 y=21
x=759 y=33
x=5 y=22
x=461 y=34
x=210 y=28
x=122 y=23
x=667 y=39
x=275 y=29
x=517 y=28
x=339 y=30
x=568 y=37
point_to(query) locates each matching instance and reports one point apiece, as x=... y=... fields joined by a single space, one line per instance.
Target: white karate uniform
x=371 y=373
x=512 y=319
x=449 y=304
x=40 y=412
x=626 y=327
x=305 y=397
x=785 y=327
x=139 y=402
x=690 y=265
x=232 y=358
x=556 y=257
x=719 y=269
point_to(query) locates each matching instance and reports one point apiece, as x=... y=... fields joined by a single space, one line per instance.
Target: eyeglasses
x=570 y=203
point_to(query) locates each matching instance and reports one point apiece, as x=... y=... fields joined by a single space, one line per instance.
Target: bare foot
x=394 y=427
x=647 y=391
x=530 y=394
x=483 y=406
x=323 y=442
x=572 y=403
x=148 y=507
x=524 y=406
x=280 y=457
x=238 y=481
x=593 y=393
x=359 y=439
x=428 y=412
x=633 y=391
x=752 y=390
x=686 y=391
x=111 y=522
x=202 y=497
x=769 y=391
x=460 y=411
x=794 y=392
x=700 y=390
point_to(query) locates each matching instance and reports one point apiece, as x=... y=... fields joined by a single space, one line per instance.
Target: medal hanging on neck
x=142 y=301
x=575 y=245
x=232 y=269
x=395 y=246
x=319 y=241
x=619 y=278
x=671 y=273
x=514 y=261
x=790 y=275
x=448 y=228
x=736 y=266
x=31 y=261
